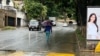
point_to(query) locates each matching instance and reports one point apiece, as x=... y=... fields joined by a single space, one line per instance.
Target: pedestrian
x=92 y=27
x=48 y=30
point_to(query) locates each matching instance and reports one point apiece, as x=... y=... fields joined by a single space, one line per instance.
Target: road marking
x=21 y=53
x=60 y=54
x=36 y=34
x=97 y=49
x=29 y=37
x=18 y=53
x=36 y=37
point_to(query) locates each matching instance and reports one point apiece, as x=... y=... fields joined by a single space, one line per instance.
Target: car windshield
x=33 y=22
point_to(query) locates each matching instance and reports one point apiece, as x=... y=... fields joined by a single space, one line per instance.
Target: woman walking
x=48 y=30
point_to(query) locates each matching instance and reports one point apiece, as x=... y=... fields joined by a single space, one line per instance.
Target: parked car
x=34 y=24
x=53 y=23
x=53 y=20
x=65 y=24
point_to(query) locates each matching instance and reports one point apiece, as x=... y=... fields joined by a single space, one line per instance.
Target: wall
x=1 y=18
x=22 y=16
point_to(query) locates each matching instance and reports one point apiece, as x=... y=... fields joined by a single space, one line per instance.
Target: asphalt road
x=62 y=39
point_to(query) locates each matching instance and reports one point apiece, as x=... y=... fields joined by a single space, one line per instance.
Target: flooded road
x=62 y=40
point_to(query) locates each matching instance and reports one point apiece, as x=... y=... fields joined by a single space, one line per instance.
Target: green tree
x=34 y=9
x=44 y=12
x=54 y=7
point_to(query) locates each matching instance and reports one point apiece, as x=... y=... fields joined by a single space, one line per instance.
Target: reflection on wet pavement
x=62 y=40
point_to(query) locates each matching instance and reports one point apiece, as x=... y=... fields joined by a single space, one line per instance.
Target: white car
x=34 y=24
x=74 y=22
x=54 y=23
x=65 y=24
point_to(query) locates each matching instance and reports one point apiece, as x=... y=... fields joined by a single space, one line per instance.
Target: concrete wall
x=3 y=2
x=10 y=3
x=2 y=18
x=14 y=14
x=10 y=13
x=22 y=16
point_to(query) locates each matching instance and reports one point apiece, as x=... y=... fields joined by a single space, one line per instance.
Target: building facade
x=9 y=15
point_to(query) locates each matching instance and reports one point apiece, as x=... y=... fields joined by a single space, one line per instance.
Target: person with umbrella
x=48 y=30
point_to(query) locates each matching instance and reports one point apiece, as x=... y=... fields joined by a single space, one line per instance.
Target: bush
x=8 y=28
x=81 y=38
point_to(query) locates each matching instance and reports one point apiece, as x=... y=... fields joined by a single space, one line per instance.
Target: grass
x=81 y=38
x=8 y=28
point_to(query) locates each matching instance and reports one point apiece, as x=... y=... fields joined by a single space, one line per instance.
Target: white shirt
x=91 y=31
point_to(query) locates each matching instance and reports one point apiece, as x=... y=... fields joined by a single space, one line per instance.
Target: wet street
x=62 y=40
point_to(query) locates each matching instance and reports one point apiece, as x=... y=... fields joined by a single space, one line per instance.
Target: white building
x=9 y=6
x=21 y=15
x=6 y=3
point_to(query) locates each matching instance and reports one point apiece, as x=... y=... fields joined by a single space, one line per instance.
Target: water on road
x=62 y=40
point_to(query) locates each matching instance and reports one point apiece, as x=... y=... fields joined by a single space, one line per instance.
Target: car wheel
x=55 y=25
x=32 y=29
x=39 y=29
